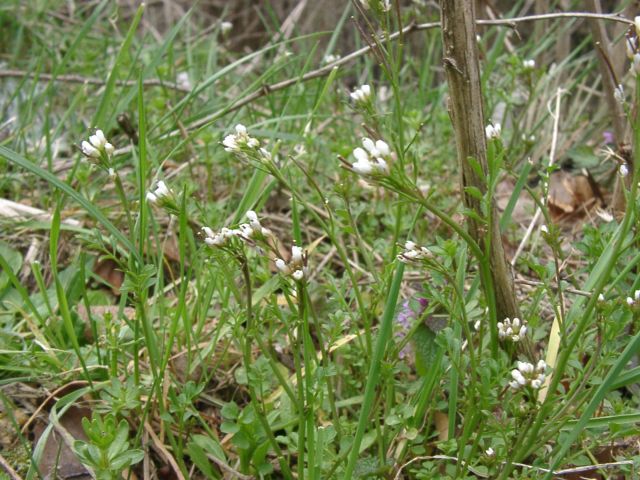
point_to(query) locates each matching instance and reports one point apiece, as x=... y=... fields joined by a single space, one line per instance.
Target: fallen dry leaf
x=569 y=194
x=441 y=421
x=58 y=460
x=107 y=269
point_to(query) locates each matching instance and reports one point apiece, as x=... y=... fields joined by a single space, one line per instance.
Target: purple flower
x=608 y=137
x=405 y=316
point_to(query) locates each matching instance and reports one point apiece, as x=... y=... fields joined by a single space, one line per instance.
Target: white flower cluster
x=245 y=231
x=529 y=64
x=372 y=159
x=623 y=169
x=225 y=28
x=182 y=80
x=492 y=131
x=361 y=94
x=631 y=301
x=330 y=58
x=297 y=266
x=97 y=145
x=236 y=142
x=161 y=191
x=244 y=145
x=413 y=252
x=528 y=375
x=514 y=330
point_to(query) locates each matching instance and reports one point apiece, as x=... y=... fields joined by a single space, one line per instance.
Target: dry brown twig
x=461 y=65
x=322 y=71
x=410 y=28
x=72 y=78
x=11 y=473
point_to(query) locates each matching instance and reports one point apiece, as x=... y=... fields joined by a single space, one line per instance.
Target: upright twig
x=466 y=111
x=609 y=85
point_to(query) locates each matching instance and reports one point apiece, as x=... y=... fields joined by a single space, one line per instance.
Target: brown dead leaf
x=569 y=194
x=441 y=421
x=58 y=460
x=107 y=269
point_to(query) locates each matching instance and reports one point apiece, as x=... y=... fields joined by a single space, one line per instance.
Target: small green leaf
x=13 y=258
x=426 y=349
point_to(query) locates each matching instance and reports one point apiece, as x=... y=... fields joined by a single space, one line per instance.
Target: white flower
x=636 y=295
x=218 y=239
x=413 y=252
x=98 y=139
x=297 y=266
x=525 y=367
x=492 y=131
x=527 y=374
x=330 y=58
x=161 y=191
x=240 y=142
x=489 y=452
x=265 y=154
x=601 y=298
x=252 y=216
x=282 y=266
x=296 y=254
x=112 y=173
x=630 y=301
x=362 y=165
x=89 y=150
x=514 y=330
x=253 y=221
x=618 y=94
x=96 y=145
x=362 y=94
x=518 y=377
x=529 y=64
x=623 y=170
x=544 y=229
x=373 y=158
x=225 y=27
x=182 y=79
x=245 y=230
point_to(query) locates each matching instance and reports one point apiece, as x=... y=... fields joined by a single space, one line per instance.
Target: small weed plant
x=259 y=265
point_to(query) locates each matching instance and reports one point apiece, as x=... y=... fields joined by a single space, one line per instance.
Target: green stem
x=384 y=334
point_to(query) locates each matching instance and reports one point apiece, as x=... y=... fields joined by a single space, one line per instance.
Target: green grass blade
x=373 y=378
x=107 y=96
x=63 y=305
